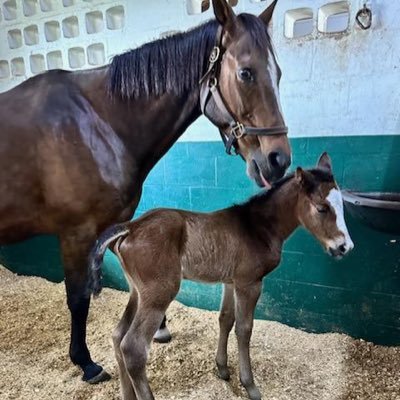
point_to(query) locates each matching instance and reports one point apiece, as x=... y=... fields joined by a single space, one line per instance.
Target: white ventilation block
x=76 y=57
x=31 y=35
x=14 y=38
x=70 y=27
x=29 y=7
x=37 y=63
x=18 y=66
x=4 y=69
x=54 y=60
x=10 y=10
x=334 y=17
x=298 y=22
x=94 y=22
x=52 y=31
x=96 y=54
x=115 y=17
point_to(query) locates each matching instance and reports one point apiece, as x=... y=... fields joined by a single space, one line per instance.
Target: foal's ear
x=224 y=14
x=325 y=162
x=266 y=15
x=299 y=174
x=304 y=179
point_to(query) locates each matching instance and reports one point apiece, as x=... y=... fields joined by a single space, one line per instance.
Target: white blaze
x=336 y=201
x=273 y=73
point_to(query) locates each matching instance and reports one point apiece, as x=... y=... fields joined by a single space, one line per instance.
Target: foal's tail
x=111 y=234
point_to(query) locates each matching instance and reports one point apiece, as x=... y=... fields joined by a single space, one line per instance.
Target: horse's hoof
x=253 y=392
x=162 y=336
x=223 y=372
x=93 y=374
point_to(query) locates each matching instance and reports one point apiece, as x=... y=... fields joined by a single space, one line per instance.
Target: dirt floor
x=288 y=363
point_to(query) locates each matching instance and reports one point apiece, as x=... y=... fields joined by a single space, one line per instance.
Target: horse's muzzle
x=266 y=171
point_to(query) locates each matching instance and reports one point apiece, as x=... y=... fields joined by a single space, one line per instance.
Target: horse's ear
x=266 y=15
x=224 y=14
x=325 y=162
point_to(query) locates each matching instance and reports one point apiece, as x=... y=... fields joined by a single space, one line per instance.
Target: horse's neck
x=148 y=127
x=154 y=126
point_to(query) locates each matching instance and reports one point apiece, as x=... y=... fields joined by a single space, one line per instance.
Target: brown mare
x=77 y=146
x=237 y=246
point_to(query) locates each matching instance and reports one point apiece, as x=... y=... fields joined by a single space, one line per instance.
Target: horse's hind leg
x=75 y=248
x=245 y=303
x=127 y=390
x=226 y=321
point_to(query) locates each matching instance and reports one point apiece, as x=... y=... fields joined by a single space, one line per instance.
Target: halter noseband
x=209 y=86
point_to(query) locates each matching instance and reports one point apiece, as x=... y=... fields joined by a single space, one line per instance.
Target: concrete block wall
x=38 y=35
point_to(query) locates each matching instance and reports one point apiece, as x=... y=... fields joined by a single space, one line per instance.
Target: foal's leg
x=226 y=320
x=75 y=248
x=245 y=303
x=136 y=343
x=127 y=390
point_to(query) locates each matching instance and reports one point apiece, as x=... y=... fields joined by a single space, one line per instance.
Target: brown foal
x=237 y=246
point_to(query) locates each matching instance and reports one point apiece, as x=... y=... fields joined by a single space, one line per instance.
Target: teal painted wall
x=359 y=295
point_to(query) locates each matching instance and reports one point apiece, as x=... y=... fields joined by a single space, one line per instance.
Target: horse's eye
x=245 y=74
x=322 y=208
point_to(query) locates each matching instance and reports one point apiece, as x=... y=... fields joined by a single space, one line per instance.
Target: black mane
x=173 y=64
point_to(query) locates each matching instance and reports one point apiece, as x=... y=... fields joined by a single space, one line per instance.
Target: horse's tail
x=96 y=255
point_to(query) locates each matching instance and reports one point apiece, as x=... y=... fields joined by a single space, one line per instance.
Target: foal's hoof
x=223 y=372
x=162 y=336
x=253 y=392
x=93 y=374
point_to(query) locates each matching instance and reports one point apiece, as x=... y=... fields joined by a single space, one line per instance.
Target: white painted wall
x=343 y=84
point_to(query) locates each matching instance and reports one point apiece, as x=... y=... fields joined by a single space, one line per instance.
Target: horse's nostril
x=342 y=248
x=274 y=159
x=279 y=159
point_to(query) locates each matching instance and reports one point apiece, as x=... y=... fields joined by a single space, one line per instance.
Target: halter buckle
x=214 y=55
x=213 y=82
x=238 y=130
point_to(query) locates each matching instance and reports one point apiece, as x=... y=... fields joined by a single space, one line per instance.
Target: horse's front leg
x=245 y=302
x=75 y=247
x=226 y=321
x=163 y=334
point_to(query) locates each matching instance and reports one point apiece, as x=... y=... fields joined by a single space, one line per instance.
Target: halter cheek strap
x=209 y=89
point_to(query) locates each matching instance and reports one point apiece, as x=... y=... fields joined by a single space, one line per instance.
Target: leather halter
x=209 y=88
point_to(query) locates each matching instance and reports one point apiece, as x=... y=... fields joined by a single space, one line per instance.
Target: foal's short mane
x=173 y=64
x=319 y=176
x=250 y=215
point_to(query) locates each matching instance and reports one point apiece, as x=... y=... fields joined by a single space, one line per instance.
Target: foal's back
x=197 y=246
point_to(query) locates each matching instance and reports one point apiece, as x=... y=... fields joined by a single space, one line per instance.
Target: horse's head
x=320 y=208
x=246 y=78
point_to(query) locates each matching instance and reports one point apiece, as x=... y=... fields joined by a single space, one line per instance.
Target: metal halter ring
x=214 y=54
x=238 y=130
x=213 y=82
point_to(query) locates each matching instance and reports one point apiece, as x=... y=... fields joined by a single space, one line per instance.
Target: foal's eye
x=246 y=74
x=322 y=208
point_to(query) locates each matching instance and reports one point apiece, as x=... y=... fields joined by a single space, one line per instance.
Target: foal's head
x=249 y=83
x=320 y=207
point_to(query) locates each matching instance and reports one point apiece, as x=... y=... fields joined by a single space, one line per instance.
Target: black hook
x=364 y=18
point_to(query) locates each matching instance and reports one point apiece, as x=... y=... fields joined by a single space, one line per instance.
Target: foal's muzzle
x=341 y=250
